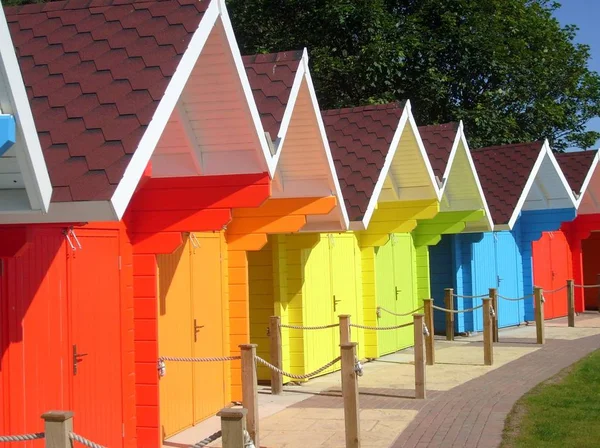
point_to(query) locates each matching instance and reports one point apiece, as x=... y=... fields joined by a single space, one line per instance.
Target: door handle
x=335 y=302
x=398 y=291
x=76 y=359
x=197 y=330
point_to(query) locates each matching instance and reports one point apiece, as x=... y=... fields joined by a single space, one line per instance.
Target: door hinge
x=123 y=432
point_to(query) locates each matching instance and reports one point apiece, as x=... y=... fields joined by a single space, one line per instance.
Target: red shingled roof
x=360 y=139
x=504 y=171
x=575 y=166
x=95 y=72
x=438 y=141
x=271 y=78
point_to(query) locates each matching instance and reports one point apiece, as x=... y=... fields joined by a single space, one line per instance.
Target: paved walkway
x=466 y=405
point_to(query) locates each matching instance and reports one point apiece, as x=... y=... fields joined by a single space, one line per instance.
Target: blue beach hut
x=527 y=194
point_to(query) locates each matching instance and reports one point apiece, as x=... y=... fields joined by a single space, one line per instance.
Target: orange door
x=191 y=317
x=95 y=310
x=561 y=271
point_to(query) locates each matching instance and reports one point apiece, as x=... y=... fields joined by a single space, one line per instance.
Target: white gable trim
x=134 y=171
x=31 y=161
x=588 y=178
x=544 y=152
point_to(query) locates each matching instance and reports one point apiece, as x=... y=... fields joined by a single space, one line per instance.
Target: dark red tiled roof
x=360 y=139
x=95 y=72
x=575 y=166
x=504 y=171
x=271 y=78
x=438 y=141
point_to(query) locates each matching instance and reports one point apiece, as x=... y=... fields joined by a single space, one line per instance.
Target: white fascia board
x=364 y=223
x=141 y=157
x=64 y=212
x=31 y=161
x=424 y=155
x=451 y=157
x=287 y=114
x=313 y=96
x=588 y=178
x=544 y=152
x=270 y=163
x=463 y=139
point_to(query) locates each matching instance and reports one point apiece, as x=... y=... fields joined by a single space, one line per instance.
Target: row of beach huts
x=162 y=195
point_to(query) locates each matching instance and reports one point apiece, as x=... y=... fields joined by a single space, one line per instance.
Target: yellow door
x=208 y=318
x=175 y=339
x=404 y=273
x=191 y=324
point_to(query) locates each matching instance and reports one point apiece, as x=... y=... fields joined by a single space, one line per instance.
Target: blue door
x=508 y=279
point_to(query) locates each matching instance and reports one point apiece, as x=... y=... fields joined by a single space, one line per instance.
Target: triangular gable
x=24 y=182
x=455 y=171
x=289 y=111
x=521 y=177
x=580 y=169
x=128 y=84
x=379 y=156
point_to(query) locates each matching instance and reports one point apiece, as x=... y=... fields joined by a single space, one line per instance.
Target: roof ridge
x=453 y=124
x=369 y=107
x=271 y=58
x=510 y=145
x=61 y=5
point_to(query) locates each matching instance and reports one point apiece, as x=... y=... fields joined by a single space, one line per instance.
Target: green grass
x=561 y=412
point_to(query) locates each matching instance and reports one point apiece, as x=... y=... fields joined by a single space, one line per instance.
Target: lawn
x=561 y=412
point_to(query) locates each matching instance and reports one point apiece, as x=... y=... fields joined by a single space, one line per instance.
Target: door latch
x=196 y=330
x=335 y=302
x=76 y=359
x=398 y=291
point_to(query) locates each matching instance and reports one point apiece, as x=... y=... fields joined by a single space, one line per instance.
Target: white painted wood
x=589 y=190
x=58 y=212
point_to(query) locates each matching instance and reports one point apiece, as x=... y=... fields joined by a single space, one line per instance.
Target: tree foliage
x=505 y=67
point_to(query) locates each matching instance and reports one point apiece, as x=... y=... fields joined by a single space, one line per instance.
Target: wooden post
x=539 y=314
x=350 y=394
x=571 y=303
x=494 y=297
x=419 y=351
x=429 y=340
x=449 y=304
x=598 y=283
x=233 y=425
x=57 y=426
x=250 y=389
x=276 y=354
x=344 y=328
x=488 y=347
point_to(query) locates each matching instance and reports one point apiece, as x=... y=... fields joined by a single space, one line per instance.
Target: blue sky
x=584 y=14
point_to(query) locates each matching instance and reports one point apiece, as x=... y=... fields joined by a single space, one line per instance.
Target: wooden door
x=385 y=283
x=319 y=346
x=95 y=309
x=542 y=269
x=208 y=316
x=590 y=249
x=508 y=273
x=175 y=339
x=404 y=275
x=560 y=257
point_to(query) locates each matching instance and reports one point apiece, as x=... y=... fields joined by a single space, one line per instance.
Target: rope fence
x=208 y=440
x=446 y=310
x=587 y=286
x=293 y=375
x=84 y=441
x=470 y=297
x=394 y=327
x=185 y=359
x=511 y=299
x=300 y=327
x=380 y=308
x=555 y=290
x=22 y=437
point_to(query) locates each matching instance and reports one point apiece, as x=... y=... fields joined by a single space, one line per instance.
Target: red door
x=591 y=268
x=95 y=314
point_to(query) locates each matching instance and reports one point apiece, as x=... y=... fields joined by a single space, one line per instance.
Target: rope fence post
x=598 y=283
x=449 y=304
x=276 y=354
x=494 y=297
x=57 y=427
x=233 y=425
x=250 y=389
x=488 y=348
x=539 y=314
x=344 y=328
x=429 y=340
x=419 y=351
x=350 y=395
x=571 y=303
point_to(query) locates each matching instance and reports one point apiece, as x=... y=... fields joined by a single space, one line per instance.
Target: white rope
x=300 y=327
x=470 y=297
x=446 y=310
x=397 y=314
x=22 y=437
x=555 y=290
x=248 y=443
x=395 y=327
x=587 y=286
x=206 y=441
x=184 y=359
x=292 y=375
x=84 y=441
x=515 y=300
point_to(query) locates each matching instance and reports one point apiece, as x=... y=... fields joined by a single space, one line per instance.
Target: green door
x=404 y=278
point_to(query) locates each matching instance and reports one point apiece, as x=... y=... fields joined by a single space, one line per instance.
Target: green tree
x=505 y=67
